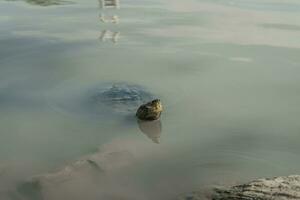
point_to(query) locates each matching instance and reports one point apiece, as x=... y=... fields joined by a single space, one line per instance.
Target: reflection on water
x=112 y=19
x=152 y=129
x=46 y=2
x=2 y=169
x=109 y=35
x=289 y=27
x=109 y=4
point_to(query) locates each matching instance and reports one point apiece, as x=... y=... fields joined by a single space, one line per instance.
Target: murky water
x=227 y=72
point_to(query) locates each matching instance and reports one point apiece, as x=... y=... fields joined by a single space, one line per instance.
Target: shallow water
x=227 y=72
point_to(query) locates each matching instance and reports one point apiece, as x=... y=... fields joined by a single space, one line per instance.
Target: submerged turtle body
x=121 y=98
x=103 y=101
x=150 y=111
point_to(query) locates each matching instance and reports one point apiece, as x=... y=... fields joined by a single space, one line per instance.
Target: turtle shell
x=121 y=98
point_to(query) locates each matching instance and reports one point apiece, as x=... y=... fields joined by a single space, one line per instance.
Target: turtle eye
x=156 y=101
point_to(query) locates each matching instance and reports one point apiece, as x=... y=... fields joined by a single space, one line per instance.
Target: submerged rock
x=90 y=175
x=66 y=181
x=150 y=111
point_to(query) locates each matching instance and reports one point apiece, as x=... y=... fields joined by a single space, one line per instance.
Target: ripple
x=289 y=27
x=103 y=99
x=120 y=97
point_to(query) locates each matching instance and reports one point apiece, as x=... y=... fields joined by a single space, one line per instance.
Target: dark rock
x=278 y=188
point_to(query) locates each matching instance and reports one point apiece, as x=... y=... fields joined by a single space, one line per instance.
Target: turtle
x=150 y=111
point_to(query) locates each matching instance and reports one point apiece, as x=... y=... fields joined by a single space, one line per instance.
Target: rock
x=90 y=176
x=279 y=188
x=150 y=111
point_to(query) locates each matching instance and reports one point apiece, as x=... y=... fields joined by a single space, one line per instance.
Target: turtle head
x=156 y=103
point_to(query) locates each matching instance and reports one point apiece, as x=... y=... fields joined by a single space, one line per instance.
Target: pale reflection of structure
x=113 y=19
x=107 y=34
x=46 y=2
x=109 y=4
x=113 y=36
x=152 y=129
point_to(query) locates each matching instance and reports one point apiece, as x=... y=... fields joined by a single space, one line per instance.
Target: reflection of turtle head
x=152 y=129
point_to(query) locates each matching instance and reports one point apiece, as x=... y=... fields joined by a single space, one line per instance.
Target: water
x=227 y=72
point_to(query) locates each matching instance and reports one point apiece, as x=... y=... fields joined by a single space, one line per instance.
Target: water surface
x=227 y=72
